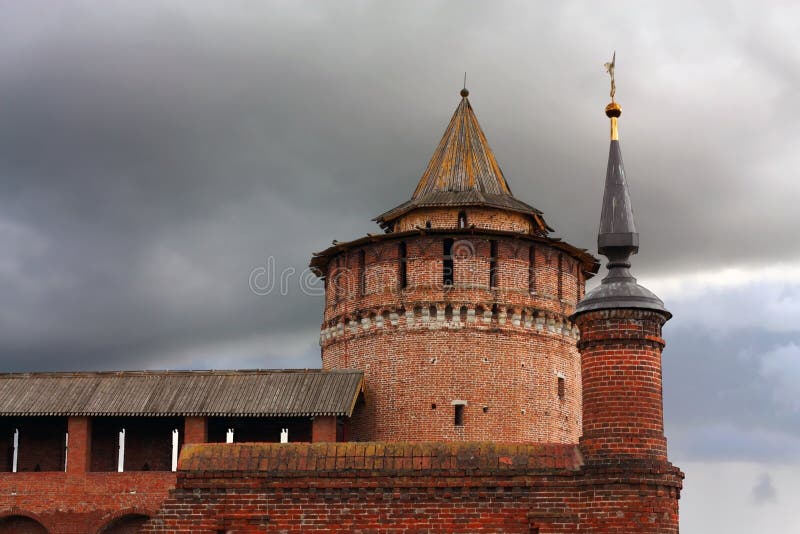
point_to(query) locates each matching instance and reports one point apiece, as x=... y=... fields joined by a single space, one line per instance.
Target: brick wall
x=324 y=429
x=65 y=503
x=420 y=487
x=195 y=430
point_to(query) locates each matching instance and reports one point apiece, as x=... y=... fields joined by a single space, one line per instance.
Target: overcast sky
x=153 y=154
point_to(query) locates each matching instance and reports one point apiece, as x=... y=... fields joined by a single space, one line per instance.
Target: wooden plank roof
x=245 y=393
x=463 y=160
x=463 y=171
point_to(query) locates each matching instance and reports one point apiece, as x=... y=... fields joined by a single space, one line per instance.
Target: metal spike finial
x=464 y=92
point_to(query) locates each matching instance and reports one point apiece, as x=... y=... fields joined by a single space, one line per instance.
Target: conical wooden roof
x=463 y=160
x=463 y=172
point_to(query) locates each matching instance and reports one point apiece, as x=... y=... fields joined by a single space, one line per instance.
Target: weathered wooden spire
x=464 y=172
x=463 y=160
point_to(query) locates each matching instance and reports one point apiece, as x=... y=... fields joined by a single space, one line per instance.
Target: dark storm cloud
x=153 y=154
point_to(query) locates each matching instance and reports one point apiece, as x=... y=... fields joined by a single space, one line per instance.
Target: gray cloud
x=764 y=491
x=731 y=380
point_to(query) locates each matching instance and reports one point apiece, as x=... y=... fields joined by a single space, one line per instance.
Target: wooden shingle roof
x=463 y=171
x=247 y=393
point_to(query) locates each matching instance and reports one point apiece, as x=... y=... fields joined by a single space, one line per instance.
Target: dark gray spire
x=617 y=228
x=618 y=240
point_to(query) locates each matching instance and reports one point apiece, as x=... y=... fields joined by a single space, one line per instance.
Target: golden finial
x=613 y=110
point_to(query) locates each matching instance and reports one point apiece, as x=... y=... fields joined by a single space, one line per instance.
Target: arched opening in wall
x=432 y=311
x=523 y=316
x=20 y=524
x=479 y=311
x=495 y=312
x=417 y=313
x=448 y=313
x=463 y=314
x=386 y=317
x=127 y=524
x=462 y=219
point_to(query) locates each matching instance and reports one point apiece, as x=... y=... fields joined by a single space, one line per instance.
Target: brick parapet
x=226 y=487
x=556 y=283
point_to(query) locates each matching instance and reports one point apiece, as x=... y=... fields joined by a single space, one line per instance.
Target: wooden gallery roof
x=249 y=393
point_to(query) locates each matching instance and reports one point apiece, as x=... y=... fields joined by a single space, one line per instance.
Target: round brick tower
x=620 y=323
x=459 y=313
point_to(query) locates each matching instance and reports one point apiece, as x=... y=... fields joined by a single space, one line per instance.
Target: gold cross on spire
x=610 y=70
x=613 y=110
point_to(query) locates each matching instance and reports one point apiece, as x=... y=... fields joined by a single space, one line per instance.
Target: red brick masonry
x=415 y=487
x=66 y=503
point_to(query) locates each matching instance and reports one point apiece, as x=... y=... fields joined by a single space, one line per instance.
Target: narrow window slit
x=402 y=280
x=492 y=264
x=447 y=266
x=459 y=415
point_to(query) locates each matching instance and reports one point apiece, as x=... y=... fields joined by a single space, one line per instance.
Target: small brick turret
x=620 y=324
x=621 y=374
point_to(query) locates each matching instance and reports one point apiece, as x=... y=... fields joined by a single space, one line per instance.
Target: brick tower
x=459 y=317
x=458 y=313
x=623 y=425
